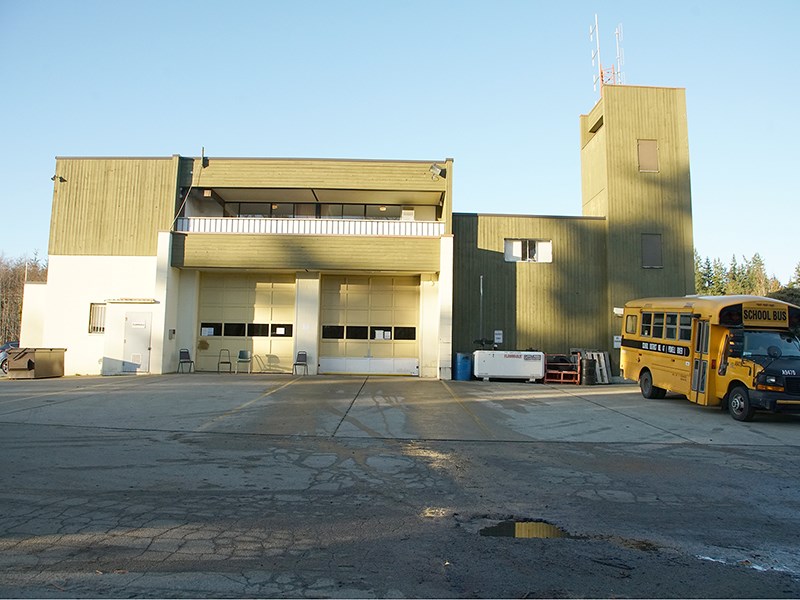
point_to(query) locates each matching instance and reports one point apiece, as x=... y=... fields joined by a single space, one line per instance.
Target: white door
x=136 y=348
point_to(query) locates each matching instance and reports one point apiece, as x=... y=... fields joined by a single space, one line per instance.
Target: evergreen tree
x=794 y=282
x=734 y=283
x=719 y=279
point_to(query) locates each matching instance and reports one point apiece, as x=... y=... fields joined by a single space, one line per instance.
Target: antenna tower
x=611 y=75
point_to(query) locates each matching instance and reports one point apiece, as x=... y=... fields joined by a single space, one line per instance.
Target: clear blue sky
x=498 y=86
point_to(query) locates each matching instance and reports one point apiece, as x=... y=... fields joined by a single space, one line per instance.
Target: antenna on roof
x=620 y=55
x=613 y=74
x=594 y=35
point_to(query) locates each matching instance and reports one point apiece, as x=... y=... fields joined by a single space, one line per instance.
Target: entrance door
x=136 y=348
x=700 y=363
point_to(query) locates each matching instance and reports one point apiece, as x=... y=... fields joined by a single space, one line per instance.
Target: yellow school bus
x=740 y=352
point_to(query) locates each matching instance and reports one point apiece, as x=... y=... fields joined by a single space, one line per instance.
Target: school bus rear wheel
x=648 y=389
x=739 y=404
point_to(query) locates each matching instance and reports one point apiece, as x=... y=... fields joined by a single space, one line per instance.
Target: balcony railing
x=360 y=227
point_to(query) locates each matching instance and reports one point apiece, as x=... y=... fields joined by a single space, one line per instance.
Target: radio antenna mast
x=594 y=35
x=620 y=55
x=613 y=74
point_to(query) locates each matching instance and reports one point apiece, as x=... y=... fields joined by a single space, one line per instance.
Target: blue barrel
x=463 y=371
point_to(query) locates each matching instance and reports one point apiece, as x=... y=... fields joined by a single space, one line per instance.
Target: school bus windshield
x=757 y=343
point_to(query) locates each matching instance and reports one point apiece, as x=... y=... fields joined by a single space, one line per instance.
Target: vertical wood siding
x=635 y=202
x=112 y=207
x=548 y=306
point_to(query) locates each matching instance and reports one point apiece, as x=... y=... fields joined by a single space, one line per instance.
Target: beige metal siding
x=547 y=306
x=112 y=207
x=316 y=253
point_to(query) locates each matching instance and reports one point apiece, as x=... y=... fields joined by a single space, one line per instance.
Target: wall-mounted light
x=58 y=178
x=382 y=208
x=437 y=171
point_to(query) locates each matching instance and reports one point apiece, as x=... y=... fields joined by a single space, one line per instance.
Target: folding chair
x=184 y=358
x=300 y=361
x=224 y=359
x=246 y=357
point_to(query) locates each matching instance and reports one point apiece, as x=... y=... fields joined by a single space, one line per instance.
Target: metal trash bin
x=463 y=370
x=36 y=363
x=588 y=371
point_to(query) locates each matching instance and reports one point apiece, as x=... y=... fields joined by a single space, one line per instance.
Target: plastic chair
x=224 y=360
x=184 y=358
x=300 y=361
x=246 y=357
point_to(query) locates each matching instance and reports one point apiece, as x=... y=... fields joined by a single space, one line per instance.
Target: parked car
x=4 y=355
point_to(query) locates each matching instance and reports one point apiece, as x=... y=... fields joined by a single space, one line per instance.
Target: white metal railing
x=362 y=227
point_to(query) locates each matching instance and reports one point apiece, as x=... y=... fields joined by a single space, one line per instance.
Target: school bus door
x=701 y=335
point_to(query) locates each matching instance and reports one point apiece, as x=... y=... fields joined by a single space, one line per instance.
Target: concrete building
x=361 y=264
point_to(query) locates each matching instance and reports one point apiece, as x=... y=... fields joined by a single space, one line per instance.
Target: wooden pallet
x=601 y=365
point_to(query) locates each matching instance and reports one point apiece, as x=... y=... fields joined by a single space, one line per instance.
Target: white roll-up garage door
x=370 y=325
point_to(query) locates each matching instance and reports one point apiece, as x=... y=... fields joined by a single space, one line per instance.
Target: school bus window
x=685 y=328
x=658 y=325
x=647 y=324
x=630 y=324
x=671 y=331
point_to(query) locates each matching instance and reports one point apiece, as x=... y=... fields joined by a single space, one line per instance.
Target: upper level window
x=529 y=251
x=651 y=251
x=648 y=156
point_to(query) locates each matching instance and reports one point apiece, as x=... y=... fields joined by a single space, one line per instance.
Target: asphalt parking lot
x=279 y=486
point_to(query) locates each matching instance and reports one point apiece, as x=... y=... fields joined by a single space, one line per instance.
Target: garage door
x=247 y=312
x=369 y=325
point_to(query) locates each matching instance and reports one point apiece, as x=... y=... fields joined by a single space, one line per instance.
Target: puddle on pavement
x=524 y=529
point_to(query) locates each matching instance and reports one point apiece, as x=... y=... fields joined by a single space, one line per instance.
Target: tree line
x=14 y=272
x=748 y=276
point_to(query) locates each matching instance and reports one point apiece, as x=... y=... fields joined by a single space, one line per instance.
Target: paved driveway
x=255 y=485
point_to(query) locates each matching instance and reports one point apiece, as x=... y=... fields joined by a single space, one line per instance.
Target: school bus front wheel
x=739 y=404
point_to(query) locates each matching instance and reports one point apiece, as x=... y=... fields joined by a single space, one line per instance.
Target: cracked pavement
x=270 y=486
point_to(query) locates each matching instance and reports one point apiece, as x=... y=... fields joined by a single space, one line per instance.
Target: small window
x=258 y=330
x=540 y=251
x=253 y=209
x=97 y=318
x=647 y=324
x=305 y=211
x=353 y=211
x=405 y=333
x=357 y=332
x=685 y=327
x=281 y=330
x=648 y=156
x=631 y=324
x=381 y=332
x=330 y=211
x=210 y=329
x=651 y=251
x=282 y=210
x=333 y=332
x=671 y=328
x=658 y=325
x=234 y=329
